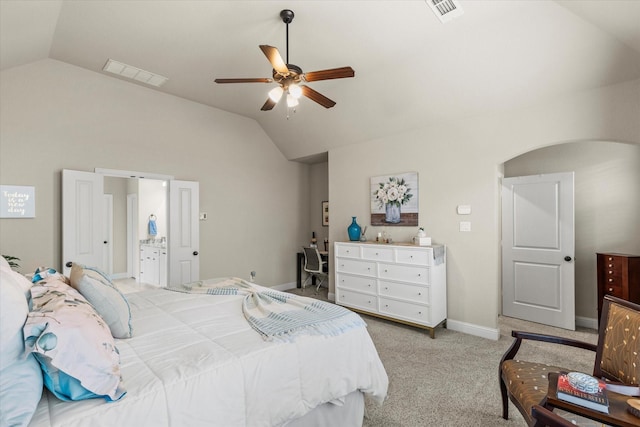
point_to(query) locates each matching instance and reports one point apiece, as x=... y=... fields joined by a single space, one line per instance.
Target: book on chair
x=572 y=388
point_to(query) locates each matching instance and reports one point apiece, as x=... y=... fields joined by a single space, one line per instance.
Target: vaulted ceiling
x=411 y=70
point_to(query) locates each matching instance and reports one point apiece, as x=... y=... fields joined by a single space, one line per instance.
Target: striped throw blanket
x=279 y=316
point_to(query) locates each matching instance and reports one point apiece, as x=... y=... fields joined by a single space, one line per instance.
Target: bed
x=194 y=360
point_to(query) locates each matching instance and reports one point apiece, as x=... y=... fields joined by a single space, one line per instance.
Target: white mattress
x=194 y=360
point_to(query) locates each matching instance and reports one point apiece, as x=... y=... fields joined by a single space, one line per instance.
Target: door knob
x=567 y=258
x=105 y=242
x=69 y=264
x=195 y=253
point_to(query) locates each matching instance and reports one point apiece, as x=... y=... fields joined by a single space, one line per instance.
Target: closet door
x=184 y=232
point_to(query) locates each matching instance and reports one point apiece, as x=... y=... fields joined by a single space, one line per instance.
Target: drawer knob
x=419 y=293
x=419 y=275
x=377 y=254
x=610 y=272
x=369 y=284
x=386 y=305
x=386 y=271
x=386 y=288
x=419 y=312
x=611 y=280
x=610 y=289
x=610 y=265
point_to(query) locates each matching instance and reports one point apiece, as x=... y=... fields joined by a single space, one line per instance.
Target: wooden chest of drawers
x=404 y=283
x=618 y=275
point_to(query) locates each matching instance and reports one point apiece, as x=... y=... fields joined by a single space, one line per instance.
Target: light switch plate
x=203 y=216
x=465 y=225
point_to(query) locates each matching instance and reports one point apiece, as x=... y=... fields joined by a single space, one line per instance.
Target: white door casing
x=184 y=232
x=82 y=207
x=107 y=234
x=538 y=275
x=133 y=243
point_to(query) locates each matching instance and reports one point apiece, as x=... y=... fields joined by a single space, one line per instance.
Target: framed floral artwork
x=394 y=199
x=325 y=214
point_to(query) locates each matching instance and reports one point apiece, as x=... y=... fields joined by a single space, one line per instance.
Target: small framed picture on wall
x=325 y=214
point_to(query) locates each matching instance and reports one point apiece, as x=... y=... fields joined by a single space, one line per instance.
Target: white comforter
x=194 y=360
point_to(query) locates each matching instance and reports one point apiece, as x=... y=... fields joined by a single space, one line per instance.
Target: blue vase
x=354 y=230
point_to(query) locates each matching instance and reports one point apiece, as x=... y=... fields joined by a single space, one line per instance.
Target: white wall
x=607 y=202
x=460 y=163
x=55 y=116
x=318 y=192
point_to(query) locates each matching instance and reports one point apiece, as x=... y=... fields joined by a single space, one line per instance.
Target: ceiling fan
x=289 y=77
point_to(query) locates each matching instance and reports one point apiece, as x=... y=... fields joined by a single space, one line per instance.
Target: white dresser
x=400 y=282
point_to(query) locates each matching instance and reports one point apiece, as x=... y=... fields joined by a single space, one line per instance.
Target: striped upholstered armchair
x=617 y=358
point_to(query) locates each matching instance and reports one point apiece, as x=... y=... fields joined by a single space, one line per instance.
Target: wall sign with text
x=17 y=201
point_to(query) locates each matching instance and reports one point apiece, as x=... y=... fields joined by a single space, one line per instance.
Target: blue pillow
x=20 y=376
x=105 y=298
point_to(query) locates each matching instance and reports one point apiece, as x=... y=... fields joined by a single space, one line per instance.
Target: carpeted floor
x=452 y=380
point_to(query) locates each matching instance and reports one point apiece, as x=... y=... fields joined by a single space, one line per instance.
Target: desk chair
x=314 y=266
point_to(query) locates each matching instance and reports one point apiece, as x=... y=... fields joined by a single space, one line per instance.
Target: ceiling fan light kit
x=289 y=76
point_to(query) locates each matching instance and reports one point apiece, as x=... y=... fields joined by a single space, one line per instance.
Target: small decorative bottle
x=314 y=241
x=354 y=230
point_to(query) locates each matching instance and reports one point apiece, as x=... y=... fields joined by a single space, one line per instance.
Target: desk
x=617 y=416
x=300 y=264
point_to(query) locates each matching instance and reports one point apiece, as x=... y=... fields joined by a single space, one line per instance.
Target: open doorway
x=134 y=203
x=607 y=199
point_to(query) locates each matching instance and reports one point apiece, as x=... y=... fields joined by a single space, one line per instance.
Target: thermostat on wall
x=464 y=209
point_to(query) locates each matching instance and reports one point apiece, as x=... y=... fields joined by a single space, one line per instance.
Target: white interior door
x=184 y=232
x=82 y=206
x=107 y=233
x=538 y=249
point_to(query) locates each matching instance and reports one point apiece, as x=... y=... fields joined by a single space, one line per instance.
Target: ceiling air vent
x=445 y=10
x=129 y=72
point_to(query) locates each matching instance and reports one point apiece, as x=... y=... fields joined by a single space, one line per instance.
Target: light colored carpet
x=452 y=380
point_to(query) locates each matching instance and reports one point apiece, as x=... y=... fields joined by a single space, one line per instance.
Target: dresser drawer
x=377 y=253
x=404 y=273
x=405 y=310
x=348 y=251
x=413 y=293
x=366 y=268
x=614 y=289
x=357 y=283
x=414 y=256
x=357 y=300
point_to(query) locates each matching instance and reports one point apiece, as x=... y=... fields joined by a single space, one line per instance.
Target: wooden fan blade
x=268 y=105
x=317 y=97
x=333 y=73
x=258 y=80
x=274 y=57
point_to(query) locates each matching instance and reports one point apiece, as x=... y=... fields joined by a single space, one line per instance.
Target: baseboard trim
x=284 y=286
x=471 y=329
x=587 y=322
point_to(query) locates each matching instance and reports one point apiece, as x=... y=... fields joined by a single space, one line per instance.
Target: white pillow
x=19 y=281
x=108 y=301
x=20 y=375
x=4 y=264
x=74 y=346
